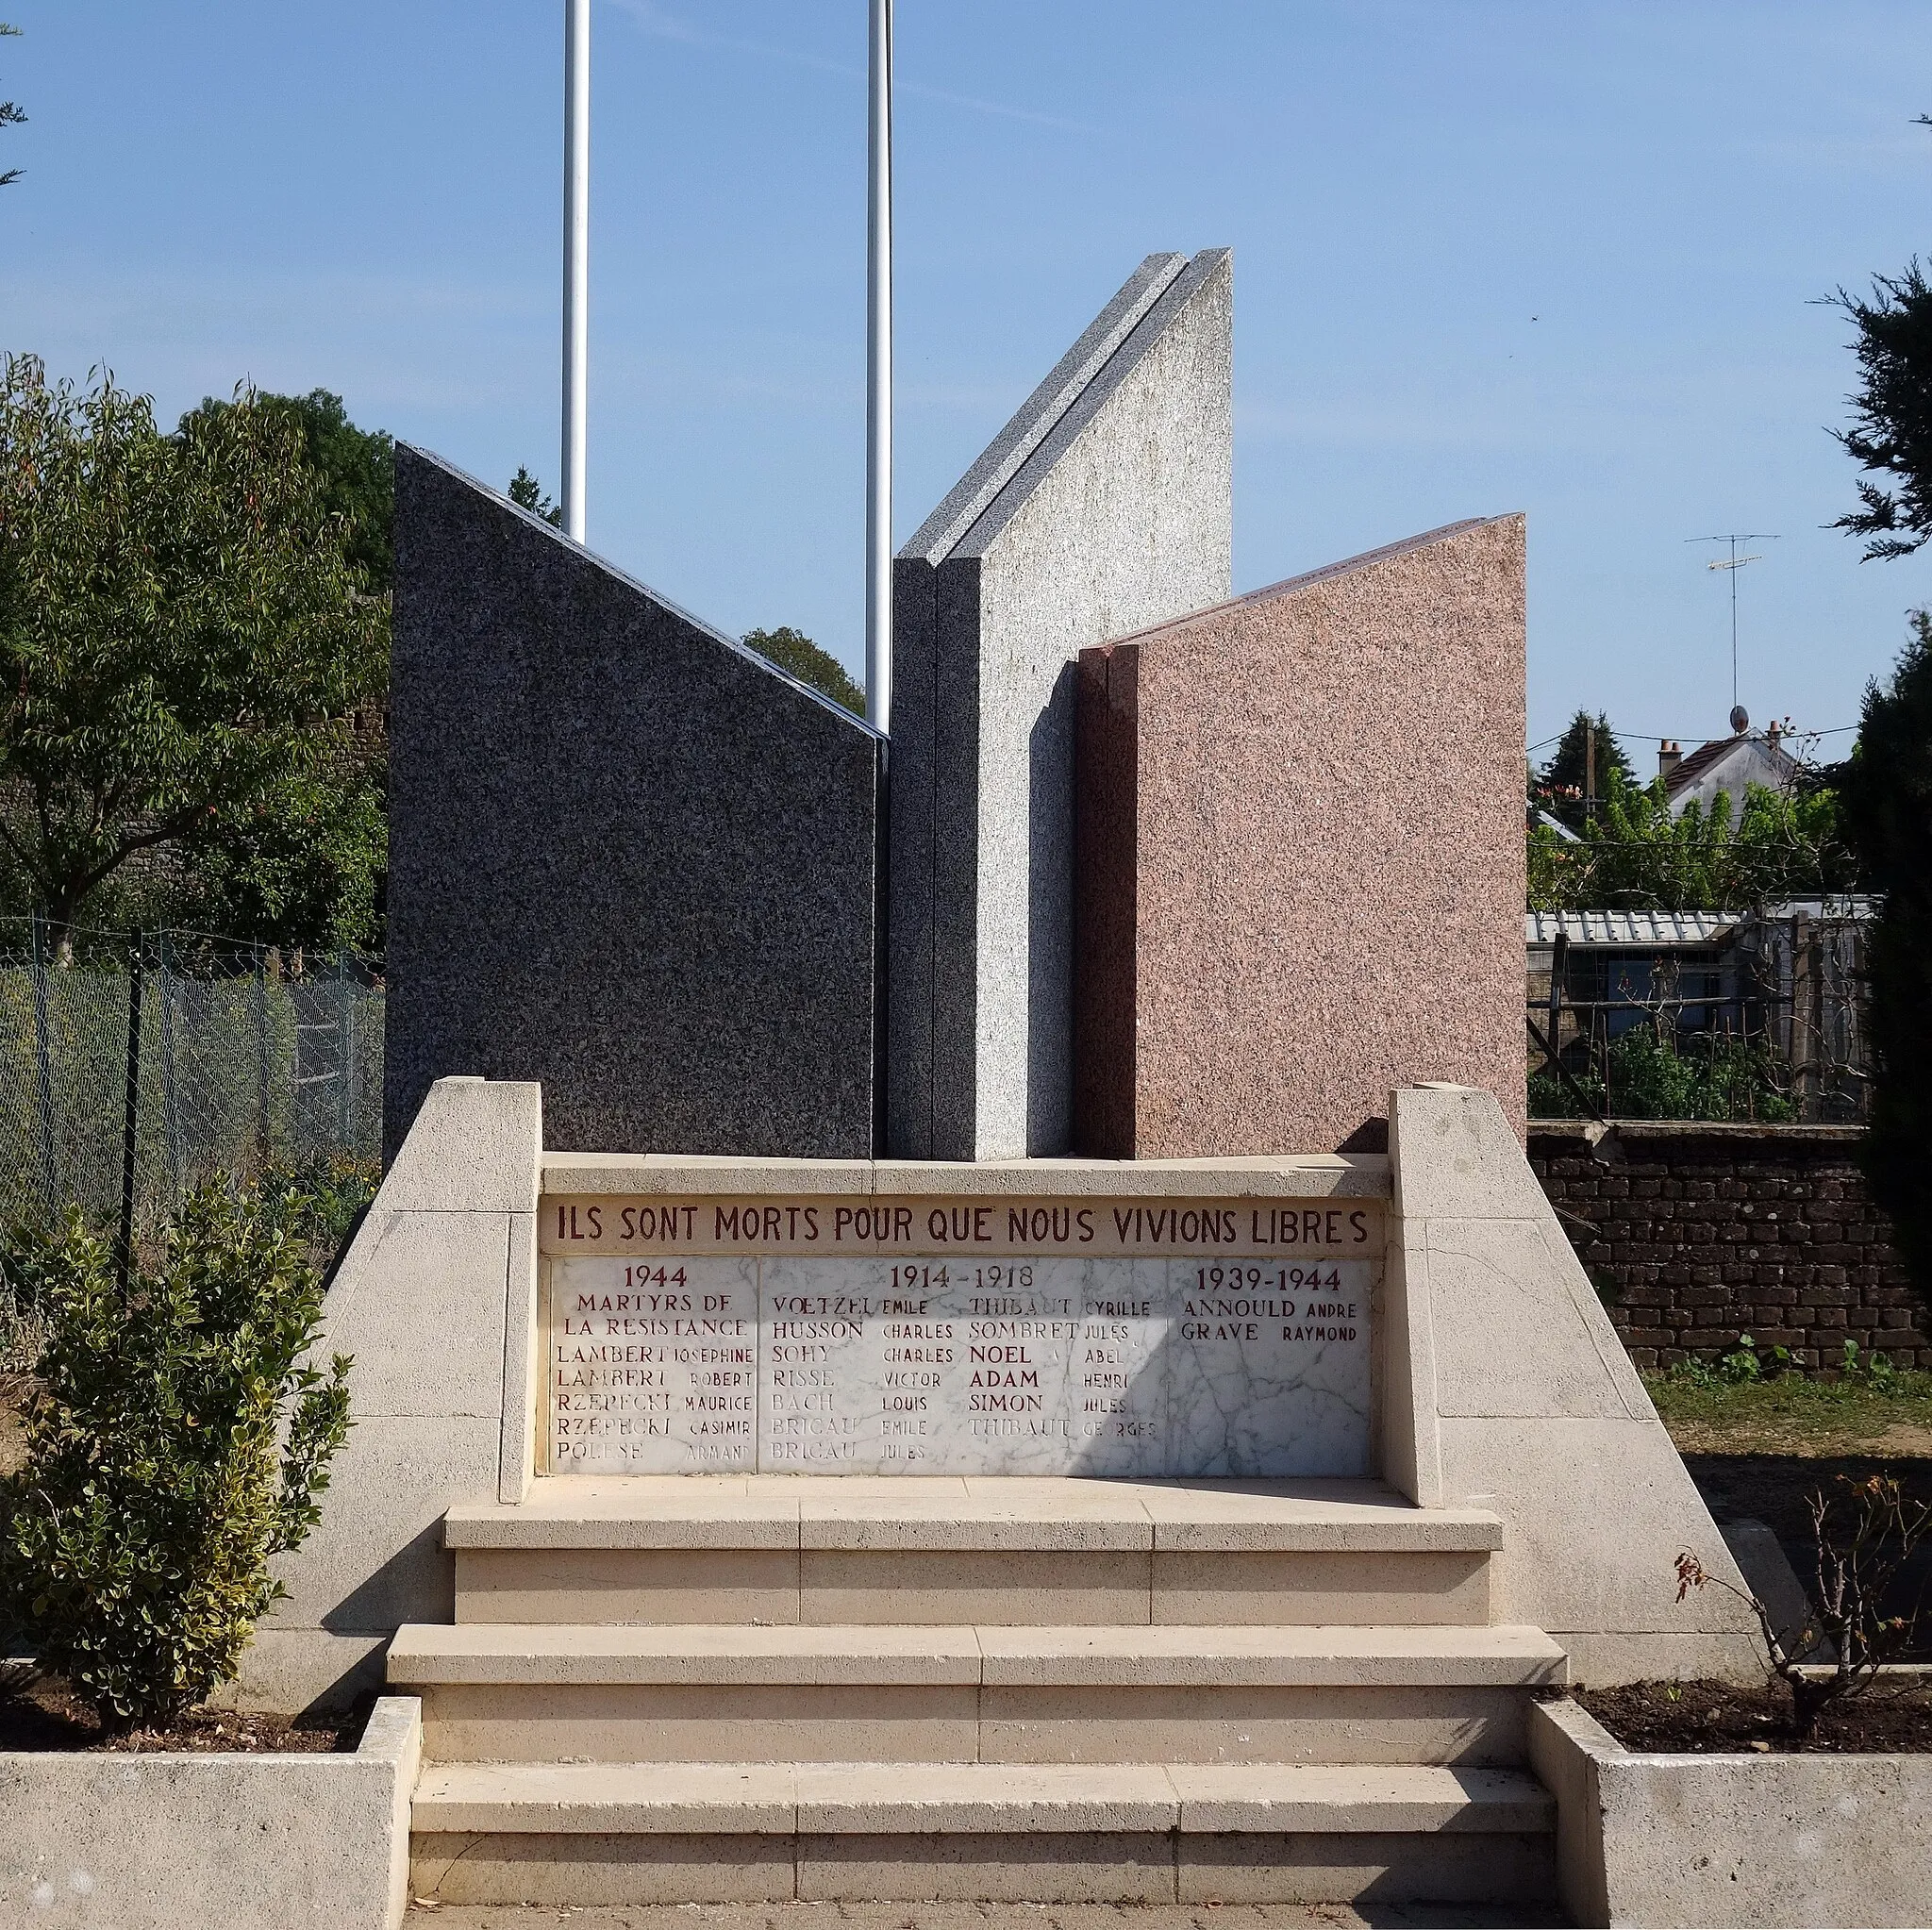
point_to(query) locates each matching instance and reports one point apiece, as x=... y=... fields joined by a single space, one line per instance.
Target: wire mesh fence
x=136 y=1066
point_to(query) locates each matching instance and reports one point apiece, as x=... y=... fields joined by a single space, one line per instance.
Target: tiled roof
x=1693 y=764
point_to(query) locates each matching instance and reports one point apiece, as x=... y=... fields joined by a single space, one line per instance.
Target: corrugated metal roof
x=1628 y=927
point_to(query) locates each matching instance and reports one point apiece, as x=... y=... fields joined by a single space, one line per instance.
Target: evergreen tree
x=1560 y=784
x=1886 y=799
x=1892 y=430
x=526 y=492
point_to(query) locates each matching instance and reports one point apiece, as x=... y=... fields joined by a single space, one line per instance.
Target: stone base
x=1094 y=1866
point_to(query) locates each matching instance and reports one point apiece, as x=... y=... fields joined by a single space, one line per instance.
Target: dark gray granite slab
x=1105 y=506
x=628 y=857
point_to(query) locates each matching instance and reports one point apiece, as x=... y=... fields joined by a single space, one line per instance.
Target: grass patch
x=1792 y=1414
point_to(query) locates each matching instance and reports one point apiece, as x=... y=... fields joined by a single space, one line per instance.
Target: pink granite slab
x=1299 y=860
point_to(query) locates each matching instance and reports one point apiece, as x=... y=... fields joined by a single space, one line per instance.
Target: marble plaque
x=960 y=1337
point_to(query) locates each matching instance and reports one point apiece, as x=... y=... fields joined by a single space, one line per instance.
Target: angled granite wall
x=1300 y=856
x=1103 y=506
x=628 y=858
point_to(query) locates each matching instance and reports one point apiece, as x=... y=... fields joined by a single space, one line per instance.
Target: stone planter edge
x=254 y=1842
x=1664 y=1840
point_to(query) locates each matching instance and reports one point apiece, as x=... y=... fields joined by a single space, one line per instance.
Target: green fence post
x=43 y=1072
x=130 y=1117
x=260 y=1063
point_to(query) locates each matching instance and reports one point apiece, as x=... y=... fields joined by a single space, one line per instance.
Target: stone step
x=931 y=1550
x=644 y=1833
x=995 y=1694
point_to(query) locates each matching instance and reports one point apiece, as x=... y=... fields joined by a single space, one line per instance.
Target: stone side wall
x=1700 y=1233
x=1104 y=505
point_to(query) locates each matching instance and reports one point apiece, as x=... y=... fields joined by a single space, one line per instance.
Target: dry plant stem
x=1853 y=1575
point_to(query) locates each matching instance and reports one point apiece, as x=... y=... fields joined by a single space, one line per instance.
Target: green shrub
x=1655 y=1074
x=322 y=1203
x=176 y=1443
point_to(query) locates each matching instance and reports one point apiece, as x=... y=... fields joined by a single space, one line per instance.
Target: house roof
x=1693 y=764
x=1647 y=930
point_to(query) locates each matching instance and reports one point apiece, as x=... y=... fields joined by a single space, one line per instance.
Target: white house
x=1728 y=765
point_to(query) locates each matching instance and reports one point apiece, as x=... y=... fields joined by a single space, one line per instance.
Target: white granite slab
x=1134 y=1364
x=652 y=1366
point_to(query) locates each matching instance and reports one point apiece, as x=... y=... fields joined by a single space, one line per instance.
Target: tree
x=792 y=650
x=11 y=115
x=1635 y=856
x=304 y=865
x=1887 y=792
x=1563 y=783
x=526 y=492
x=1892 y=433
x=183 y=638
x=357 y=468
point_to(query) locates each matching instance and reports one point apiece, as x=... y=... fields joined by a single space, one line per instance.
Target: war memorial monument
x=967 y=1317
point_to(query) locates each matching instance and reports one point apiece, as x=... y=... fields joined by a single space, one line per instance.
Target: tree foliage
x=10 y=113
x=526 y=492
x=1560 y=784
x=792 y=650
x=357 y=469
x=1892 y=430
x=1888 y=809
x=184 y=640
x=177 y=1442
x=1635 y=856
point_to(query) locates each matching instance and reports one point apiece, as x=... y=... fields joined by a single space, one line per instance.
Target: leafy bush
x=177 y=1442
x=1652 y=1074
x=322 y=1203
x=1635 y=855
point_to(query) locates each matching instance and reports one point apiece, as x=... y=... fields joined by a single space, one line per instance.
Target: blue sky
x=1489 y=255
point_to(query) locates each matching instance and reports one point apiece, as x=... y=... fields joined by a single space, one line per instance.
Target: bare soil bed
x=13 y=1437
x=45 y=1714
x=1719 y=1718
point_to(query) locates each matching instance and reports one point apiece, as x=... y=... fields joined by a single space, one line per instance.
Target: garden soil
x=1888 y=1718
x=44 y=1714
x=12 y=1445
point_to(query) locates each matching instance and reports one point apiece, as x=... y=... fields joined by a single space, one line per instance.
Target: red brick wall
x=1700 y=1233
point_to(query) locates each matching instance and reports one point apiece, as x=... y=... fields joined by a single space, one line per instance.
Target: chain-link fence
x=133 y=1067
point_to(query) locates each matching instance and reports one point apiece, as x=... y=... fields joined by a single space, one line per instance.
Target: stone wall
x=1699 y=1233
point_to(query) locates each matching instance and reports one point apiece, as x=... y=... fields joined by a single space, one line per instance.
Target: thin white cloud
x=654 y=20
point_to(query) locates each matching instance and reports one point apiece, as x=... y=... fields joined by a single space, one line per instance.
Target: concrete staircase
x=761 y=1687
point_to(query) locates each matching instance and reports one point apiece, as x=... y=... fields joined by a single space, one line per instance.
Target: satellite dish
x=1740 y=720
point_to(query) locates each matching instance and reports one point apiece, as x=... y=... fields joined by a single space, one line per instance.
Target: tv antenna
x=1733 y=563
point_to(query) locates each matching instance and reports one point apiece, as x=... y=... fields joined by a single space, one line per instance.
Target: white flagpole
x=577 y=257
x=878 y=374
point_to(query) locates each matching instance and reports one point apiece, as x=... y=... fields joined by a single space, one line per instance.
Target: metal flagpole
x=878 y=385
x=576 y=256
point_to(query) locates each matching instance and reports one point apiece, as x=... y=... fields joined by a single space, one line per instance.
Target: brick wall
x=1700 y=1233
